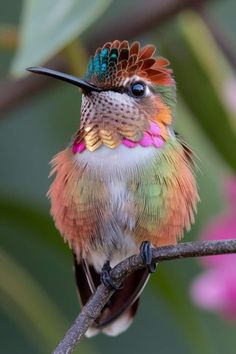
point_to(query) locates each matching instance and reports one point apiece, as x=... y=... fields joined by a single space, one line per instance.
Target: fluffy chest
x=116 y=168
x=117 y=164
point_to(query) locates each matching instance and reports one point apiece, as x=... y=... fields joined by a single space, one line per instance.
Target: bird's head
x=128 y=97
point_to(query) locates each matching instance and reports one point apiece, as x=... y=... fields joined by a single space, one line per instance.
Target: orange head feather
x=116 y=61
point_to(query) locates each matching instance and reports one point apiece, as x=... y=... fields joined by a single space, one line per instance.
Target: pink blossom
x=229 y=93
x=215 y=288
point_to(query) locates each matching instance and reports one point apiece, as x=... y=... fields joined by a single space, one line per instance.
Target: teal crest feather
x=118 y=60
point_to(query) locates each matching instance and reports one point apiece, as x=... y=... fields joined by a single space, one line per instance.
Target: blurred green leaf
x=48 y=26
x=28 y=302
x=24 y=300
x=77 y=57
x=36 y=221
x=201 y=72
x=174 y=294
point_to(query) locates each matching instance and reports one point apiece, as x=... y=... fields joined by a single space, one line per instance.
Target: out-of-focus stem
x=77 y=57
x=8 y=37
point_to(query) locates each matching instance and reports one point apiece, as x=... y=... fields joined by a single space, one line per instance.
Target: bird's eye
x=138 y=89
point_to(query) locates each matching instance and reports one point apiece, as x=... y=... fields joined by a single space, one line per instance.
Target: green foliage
x=34 y=221
x=42 y=320
x=201 y=73
x=48 y=26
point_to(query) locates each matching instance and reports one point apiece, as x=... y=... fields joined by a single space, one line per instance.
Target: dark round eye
x=138 y=89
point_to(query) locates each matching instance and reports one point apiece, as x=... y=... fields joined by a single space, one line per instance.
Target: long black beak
x=84 y=85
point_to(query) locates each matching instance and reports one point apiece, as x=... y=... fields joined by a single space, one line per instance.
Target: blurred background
x=189 y=306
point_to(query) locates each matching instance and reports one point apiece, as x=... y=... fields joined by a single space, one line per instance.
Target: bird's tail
x=119 y=313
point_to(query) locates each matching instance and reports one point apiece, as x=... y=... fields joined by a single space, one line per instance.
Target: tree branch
x=121 y=271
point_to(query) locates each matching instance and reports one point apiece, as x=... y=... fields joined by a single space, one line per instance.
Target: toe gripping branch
x=106 y=277
x=146 y=255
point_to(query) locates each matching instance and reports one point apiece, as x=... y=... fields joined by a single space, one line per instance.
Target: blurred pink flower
x=229 y=94
x=215 y=288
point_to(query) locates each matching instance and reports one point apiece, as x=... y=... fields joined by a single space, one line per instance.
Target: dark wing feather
x=125 y=299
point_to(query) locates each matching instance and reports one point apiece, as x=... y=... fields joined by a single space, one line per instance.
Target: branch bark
x=102 y=295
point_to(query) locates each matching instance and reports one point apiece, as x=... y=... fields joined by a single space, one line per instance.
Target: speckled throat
x=111 y=118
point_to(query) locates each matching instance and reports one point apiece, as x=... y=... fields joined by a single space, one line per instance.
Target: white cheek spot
x=148 y=92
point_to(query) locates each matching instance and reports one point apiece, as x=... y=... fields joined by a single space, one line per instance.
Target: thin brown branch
x=13 y=91
x=102 y=295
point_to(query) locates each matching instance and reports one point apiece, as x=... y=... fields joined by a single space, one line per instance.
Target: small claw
x=152 y=267
x=106 y=278
x=146 y=254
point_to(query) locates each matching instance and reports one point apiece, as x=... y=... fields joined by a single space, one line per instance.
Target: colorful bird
x=125 y=183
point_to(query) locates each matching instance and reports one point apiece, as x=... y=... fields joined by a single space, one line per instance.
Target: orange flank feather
x=72 y=210
x=177 y=202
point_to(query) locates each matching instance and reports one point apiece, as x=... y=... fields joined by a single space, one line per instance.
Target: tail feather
x=118 y=314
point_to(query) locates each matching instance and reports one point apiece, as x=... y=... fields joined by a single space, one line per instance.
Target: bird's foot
x=106 y=277
x=146 y=255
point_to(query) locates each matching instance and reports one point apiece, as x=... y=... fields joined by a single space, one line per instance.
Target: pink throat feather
x=150 y=138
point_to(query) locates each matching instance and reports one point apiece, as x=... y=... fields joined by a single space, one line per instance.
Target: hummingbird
x=126 y=182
